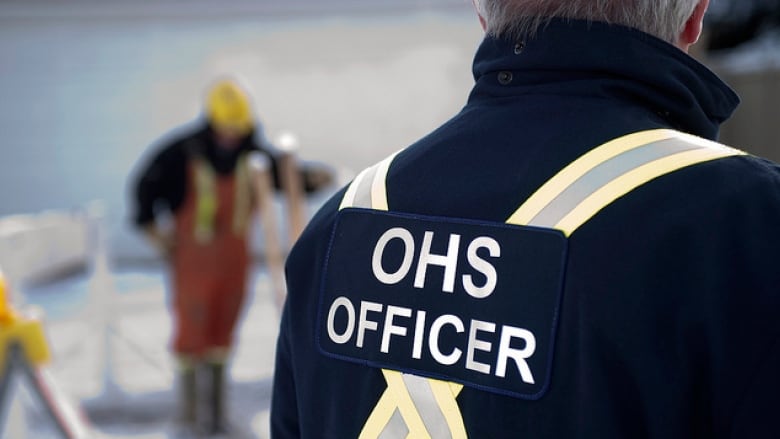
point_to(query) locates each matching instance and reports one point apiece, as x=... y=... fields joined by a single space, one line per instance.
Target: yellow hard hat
x=228 y=107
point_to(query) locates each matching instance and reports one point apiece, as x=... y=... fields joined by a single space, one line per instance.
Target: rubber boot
x=218 y=422
x=187 y=417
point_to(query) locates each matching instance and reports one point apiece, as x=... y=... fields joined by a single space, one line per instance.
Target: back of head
x=664 y=19
x=228 y=107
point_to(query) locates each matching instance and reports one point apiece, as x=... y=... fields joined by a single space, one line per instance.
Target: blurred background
x=88 y=88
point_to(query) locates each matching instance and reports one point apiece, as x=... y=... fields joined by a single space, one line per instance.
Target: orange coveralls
x=209 y=276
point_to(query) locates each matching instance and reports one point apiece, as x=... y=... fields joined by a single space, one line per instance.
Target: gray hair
x=664 y=19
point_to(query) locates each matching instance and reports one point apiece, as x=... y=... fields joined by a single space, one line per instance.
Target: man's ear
x=481 y=18
x=693 y=27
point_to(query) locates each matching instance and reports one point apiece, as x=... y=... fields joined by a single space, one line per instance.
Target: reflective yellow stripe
x=579 y=167
x=625 y=163
x=380 y=416
x=455 y=388
x=445 y=394
x=205 y=200
x=378 y=186
x=398 y=397
x=349 y=195
x=369 y=189
x=630 y=181
x=405 y=405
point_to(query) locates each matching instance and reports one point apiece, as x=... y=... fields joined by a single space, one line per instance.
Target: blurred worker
x=572 y=255
x=212 y=181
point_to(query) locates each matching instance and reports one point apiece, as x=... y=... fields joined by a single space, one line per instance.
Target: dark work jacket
x=670 y=311
x=162 y=182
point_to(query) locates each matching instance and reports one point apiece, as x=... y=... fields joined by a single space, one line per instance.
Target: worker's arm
x=262 y=185
x=160 y=182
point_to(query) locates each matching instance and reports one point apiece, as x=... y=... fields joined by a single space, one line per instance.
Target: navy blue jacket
x=670 y=310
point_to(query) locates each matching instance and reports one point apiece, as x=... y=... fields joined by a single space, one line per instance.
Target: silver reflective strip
x=604 y=173
x=349 y=195
x=379 y=185
x=396 y=428
x=363 y=191
x=368 y=190
x=425 y=402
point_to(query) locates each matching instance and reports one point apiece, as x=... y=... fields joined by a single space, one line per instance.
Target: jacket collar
x=607 y=61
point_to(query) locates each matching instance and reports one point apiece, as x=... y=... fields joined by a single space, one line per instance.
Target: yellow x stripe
x=397 y=397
